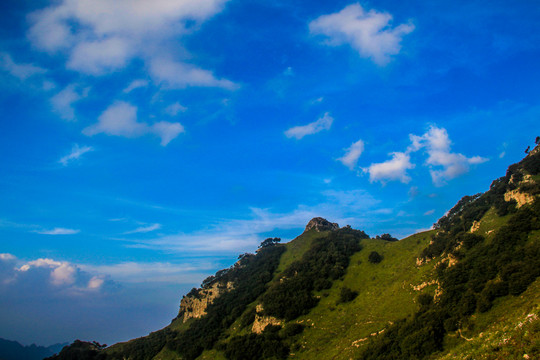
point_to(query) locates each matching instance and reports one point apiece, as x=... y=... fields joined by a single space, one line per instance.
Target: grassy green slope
x=338 y=331
x=510 y=330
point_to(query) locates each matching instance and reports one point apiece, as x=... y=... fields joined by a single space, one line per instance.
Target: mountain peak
x=321 y=224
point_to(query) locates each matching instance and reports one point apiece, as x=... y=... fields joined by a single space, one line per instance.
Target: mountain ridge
x=338 y=293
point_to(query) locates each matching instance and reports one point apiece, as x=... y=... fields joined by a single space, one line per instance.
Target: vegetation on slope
x=481 y=272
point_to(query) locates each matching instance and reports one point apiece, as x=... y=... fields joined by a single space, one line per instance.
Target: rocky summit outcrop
x=320 y=224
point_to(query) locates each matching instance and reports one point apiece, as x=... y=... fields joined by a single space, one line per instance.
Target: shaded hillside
x=466 y=288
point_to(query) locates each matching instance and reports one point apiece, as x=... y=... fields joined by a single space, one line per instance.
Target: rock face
x=320 y=224
x=521 y=198
x=261 y=321
x=194 y=305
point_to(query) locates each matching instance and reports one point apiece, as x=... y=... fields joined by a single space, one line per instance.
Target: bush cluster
x=325 y=261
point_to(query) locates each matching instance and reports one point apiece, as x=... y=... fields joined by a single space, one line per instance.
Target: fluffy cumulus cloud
x=393 y=169
x=323 y=123
x=444 y=164
x=100 y=36
x=49 y=275
x=367 y=31
x=53 y=298
x=120 y=119
x=19 y=70
x=352 y=154
x=75 y=154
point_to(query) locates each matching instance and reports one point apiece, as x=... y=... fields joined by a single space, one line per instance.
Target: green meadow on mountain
x=468 y=289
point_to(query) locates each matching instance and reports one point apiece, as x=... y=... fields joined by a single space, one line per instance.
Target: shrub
x=374 y=257
x=347 y=295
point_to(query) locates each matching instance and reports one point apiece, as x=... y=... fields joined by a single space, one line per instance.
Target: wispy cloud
x=323 y=123
x=352 y=154
x=75 y=154
x=135 y=84
x=20 y=71
x=144 y=229
x=58 y=231
x=63 y=102
x=368 y=32
x=240 y=235
x=120 y=119
x=177 y=75
x=175 y=109
x=141 y=272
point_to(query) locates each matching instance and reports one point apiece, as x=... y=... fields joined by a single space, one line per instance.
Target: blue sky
x=144 y=146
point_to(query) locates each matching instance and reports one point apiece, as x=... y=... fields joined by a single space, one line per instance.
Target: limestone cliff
x=521 y=197
x=262 y=321
x=194 y=304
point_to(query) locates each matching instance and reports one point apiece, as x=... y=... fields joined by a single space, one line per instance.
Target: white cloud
x=58 y=231
x=76 y=152
x=6 y=257
x=429 y=212
x=136 y=84
x=145 y=229
x=178 y=75
x=99 y=57
x=101 y=36
x=120 y=119
x=323 y=123
x=167 y=131
x=352 y=154
x=368 y=32
x=52 y=276
x=61 y=273
x=444 y=164
x=63 y=102
x=393 y=169
x=139 y=272
x=95 y=282
x=175 y=108
x=20 y=71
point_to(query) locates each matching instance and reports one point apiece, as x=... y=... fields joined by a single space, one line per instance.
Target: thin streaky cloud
x=75 y=154
x=323 y=123
x=144 y=229
x=135 y=84
x=58 y=231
